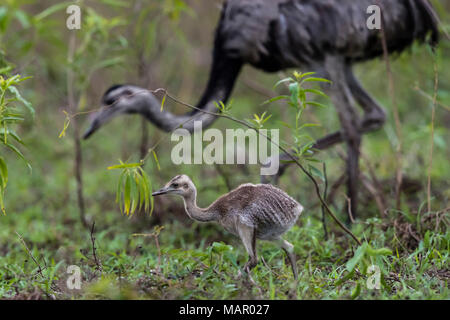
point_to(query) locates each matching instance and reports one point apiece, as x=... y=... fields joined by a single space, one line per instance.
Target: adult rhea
x=326 y=36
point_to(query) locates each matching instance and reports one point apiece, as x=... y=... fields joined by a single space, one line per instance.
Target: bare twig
x=399 y=174
x=349 y=208
x=245 y=124
x=30 y=254
x=324 y=224
x=154 y=235
x=292 y=157
x=426 y=95
x=73 y=109
x=94 y=249
x=433 y=111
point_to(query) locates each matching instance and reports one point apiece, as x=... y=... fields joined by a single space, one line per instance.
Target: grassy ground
x=41 y=235
x=196 y=261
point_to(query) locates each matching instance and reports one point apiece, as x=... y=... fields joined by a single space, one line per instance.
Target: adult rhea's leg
x=344 y=103
x=374 y=115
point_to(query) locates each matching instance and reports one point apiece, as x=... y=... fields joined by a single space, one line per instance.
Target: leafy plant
x=10 y=116
x=134 y=188
x=365 y=261
x=298 y=100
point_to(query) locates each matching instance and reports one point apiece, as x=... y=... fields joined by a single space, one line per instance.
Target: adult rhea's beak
x=161 y=191
x=100 y=118
x=92 y=128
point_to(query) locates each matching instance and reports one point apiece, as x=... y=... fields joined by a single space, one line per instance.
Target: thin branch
x=398 y=174
x=94 y=249
x=245 y=124
x=426 y=95
x=349 y=208
x=292 y=157
x=73 y=108
x=433 y=111
x=30 y=254
x=324 y=224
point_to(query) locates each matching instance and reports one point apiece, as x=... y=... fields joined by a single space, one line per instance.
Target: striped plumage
x=250 y=211
x=264 y=207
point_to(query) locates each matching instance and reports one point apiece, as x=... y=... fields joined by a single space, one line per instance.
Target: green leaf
x=307 y=125
x=294 y=90
x=12 y=134
x=356 y=292
x=313 y=79
x=156 y=159
x=306 y=74
x=378 y=252
x=148 y=185
x=125 y=165
x=119 y=188
x=27 y=104
x=283 y=81
x=318 y=92
x=52 y=9
x=285 y=124
x=359 y=254
x=316 y=172
x=18 y=153
x=316 y=104
x=23 y=18
x=2 y=205
x=116 y=3
x=109 y=62
x=3 y=174
x=134 y=194
x=348 y=276
x=127 y=195
x=141 y=189
x=162 y=102
x=275 y=99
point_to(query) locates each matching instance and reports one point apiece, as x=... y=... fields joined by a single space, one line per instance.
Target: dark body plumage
x=280 y=34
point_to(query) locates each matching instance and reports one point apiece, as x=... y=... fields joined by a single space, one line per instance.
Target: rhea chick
x=250 y=211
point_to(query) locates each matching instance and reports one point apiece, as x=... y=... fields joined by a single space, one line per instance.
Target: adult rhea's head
x=181 y=185
x=119 y=99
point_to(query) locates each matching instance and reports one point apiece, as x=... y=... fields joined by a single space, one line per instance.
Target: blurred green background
x=167 y=44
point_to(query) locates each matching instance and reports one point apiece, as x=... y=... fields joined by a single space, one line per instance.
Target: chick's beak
x=161 y=191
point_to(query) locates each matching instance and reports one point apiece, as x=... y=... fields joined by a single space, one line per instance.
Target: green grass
x=200 y=261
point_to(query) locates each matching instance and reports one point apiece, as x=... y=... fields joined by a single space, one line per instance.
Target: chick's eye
x=175 y=185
